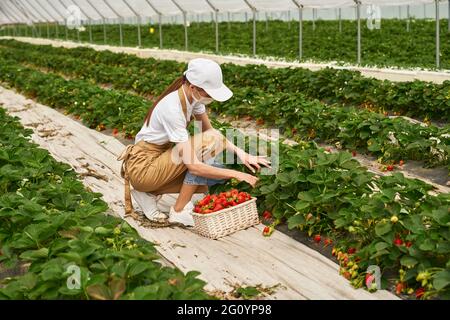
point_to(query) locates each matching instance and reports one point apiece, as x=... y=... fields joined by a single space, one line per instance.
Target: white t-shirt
x=167 y=122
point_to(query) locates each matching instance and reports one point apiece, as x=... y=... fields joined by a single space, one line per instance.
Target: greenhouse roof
x=27 y=11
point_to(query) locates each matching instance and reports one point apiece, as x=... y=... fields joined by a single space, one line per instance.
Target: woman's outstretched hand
x=252 y=162
x=251 y=180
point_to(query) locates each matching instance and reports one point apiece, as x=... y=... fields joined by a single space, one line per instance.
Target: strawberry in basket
x=215 y=202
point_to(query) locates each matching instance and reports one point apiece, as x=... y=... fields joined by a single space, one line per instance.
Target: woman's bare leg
x=186 y=193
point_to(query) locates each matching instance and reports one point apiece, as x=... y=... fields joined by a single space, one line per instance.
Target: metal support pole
x=408 y=28
x=159 y=22
x=216 y=10
x=358 y=17
x=120 y=32
x=254 y=24
x=438 y=50
x=314 y=12
x=448 y=17
x=229 y=19
x=267 y=22
x=340 y=20
x=289 y=19
x=48 y=31
x=160 y=31
x=104 y=30
x=103 y=20
x=300 y=29
x=65 y=21
x=50 y=15
x=120 y=20
x=138 y=22
x=185 y=24
x=56 y=19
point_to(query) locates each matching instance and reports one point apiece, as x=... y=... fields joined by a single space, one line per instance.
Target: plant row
x=75 y=250
x=316 y=191
x=416 y=99
x=389 y=139
x=390 y=45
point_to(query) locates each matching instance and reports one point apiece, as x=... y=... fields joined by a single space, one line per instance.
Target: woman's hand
x=252 y=162
x=242 y=176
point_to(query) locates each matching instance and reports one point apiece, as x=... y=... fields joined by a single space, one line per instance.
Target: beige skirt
x=149 y=167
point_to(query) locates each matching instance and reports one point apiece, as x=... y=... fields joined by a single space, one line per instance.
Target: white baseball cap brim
x=207 y=74
x=220 y=94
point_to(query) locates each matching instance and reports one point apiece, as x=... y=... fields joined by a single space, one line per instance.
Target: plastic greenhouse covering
x=27 y=11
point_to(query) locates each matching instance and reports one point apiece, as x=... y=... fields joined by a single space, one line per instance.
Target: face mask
x=202 y=100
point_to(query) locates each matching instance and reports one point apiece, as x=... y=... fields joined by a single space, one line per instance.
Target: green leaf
x=301 y=205
x=35 y=254
x=382 y=228
x=408 y=261
x=295 y=221
x=381 y=246
x=441 y=279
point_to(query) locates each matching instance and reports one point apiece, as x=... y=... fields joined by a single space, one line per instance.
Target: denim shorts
x=202 y=181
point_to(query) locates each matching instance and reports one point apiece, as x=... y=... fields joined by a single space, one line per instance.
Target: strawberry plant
x=48 y=219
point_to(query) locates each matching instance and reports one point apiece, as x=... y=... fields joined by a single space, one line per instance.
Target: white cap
x=206 y=74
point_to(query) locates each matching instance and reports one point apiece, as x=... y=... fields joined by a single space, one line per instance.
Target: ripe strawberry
x=408 y=244
x=351 y=250
x=327 y=242
x=400 y=287
x=369 y=279
x=268 y=231
x=267 y=215
x=420 y=292
x=217 y=207
x=398 y=241
x=115 y=131
x=347 y=275
x=401 y=162
x=390 y=167
x=317 y=238
x=354 y=153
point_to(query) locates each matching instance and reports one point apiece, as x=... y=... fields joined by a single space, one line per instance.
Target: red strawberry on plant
x=369 y=279
x=400 y=287
x=327 y=242
x=351 y=250
x=354 y=153
x=390 y=167
x=398 y=241
x=420 y=292
x=317 y=238
x=267 y=215
x=115 y=131
x=408 y=244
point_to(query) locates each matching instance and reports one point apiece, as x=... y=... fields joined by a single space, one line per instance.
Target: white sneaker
x=183 y=217
x=147 y=203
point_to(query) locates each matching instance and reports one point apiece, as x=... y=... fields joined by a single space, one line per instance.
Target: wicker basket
x=224 y=222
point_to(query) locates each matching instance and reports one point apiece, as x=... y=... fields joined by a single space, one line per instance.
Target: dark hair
x=174 y=86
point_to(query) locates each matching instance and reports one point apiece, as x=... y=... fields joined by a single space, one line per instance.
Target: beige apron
x=149 y=167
